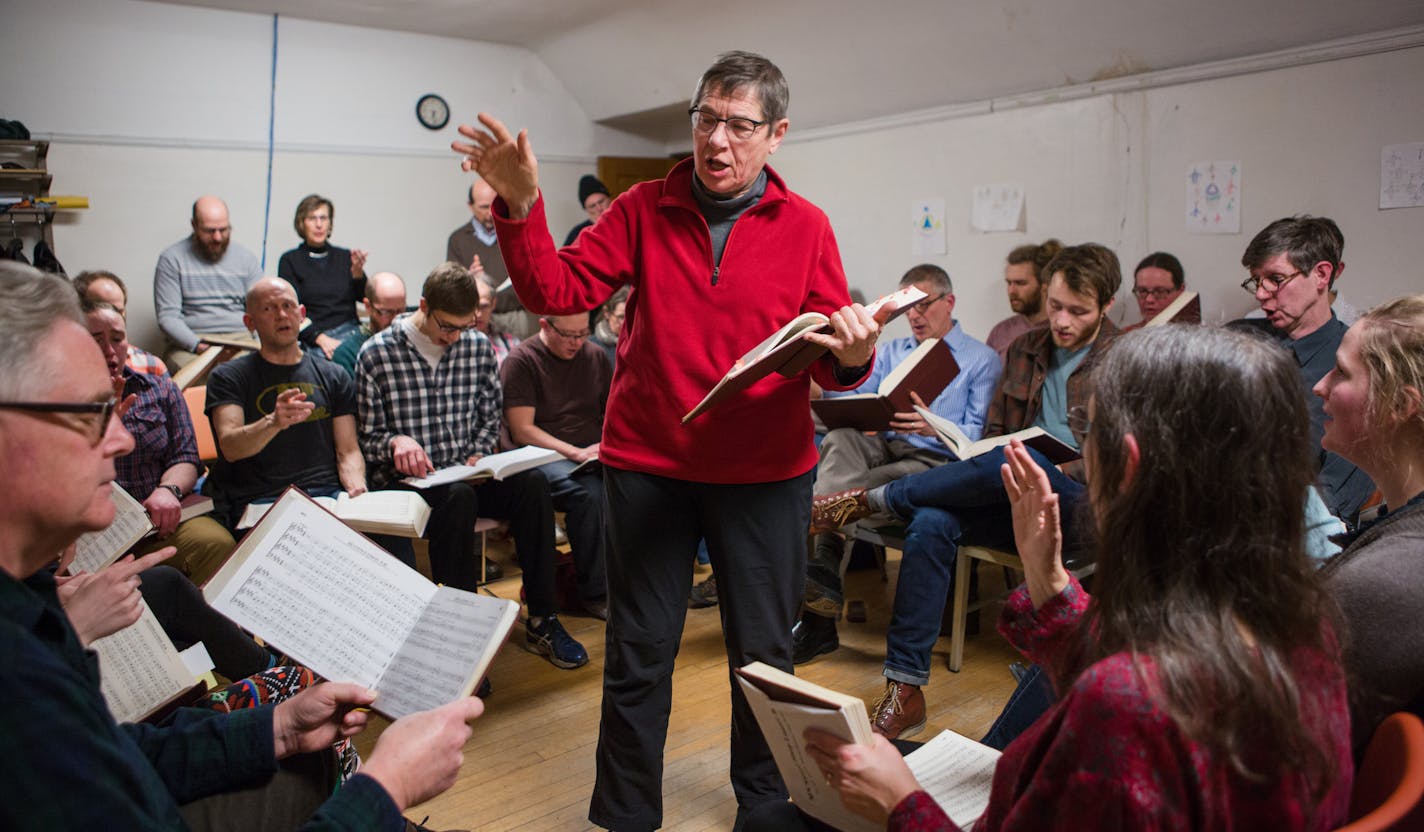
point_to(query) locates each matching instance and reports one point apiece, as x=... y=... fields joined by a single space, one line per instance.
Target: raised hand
x=506 y=162
x=358 y=264
x=292 y=408
x=1038 y=528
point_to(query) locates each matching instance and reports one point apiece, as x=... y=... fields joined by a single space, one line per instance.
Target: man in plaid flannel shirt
x=428 y=397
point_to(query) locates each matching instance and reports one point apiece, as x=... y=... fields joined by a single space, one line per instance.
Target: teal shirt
x=1053 y=408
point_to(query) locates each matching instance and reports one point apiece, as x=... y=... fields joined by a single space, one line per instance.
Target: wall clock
x=432 y=111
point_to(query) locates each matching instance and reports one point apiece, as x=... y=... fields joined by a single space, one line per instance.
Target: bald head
x=385 y=299
x=211 y=230
x=267 y=289
x=482 y=203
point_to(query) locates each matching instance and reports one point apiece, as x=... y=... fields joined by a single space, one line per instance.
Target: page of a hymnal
x=95 y=550
x=957 y=772
x=320 y=592
x=784 y=725
x=139 y=669
x=433 y=666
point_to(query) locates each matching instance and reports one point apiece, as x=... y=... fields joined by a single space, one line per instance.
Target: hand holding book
x=872 y=779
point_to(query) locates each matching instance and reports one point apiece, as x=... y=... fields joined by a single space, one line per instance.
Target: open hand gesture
x=506 y=162
x=1038 y=528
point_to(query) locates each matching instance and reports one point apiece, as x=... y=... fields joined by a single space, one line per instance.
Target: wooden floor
x=530 y=763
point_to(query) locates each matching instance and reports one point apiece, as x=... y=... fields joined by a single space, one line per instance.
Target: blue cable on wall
x=271 y=125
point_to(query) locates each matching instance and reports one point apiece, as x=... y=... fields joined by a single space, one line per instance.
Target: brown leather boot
x=831 y=511
x=900 y=711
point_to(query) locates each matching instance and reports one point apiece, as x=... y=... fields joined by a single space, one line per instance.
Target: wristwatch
x=177 y=492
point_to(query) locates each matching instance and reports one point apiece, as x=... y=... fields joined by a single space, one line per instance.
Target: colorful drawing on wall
x=997 y=208
x=1402 y=175
x=1214 y=197
x=927 y=232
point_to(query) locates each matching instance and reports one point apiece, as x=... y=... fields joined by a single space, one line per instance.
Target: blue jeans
x=959 y=503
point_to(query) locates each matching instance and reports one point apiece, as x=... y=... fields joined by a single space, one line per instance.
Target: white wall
x=1110 y=169
x=152 y=105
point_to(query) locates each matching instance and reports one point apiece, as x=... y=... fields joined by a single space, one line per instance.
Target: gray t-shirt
x=192 y=294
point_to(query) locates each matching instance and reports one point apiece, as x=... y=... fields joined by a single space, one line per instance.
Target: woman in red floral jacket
x=1200 y=686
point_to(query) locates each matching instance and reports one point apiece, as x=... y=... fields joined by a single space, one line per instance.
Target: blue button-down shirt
x=965 y=401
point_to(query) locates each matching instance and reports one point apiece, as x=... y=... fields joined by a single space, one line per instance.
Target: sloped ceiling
x=632 y=63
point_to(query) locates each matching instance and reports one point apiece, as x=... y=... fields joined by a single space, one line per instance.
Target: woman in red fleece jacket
x=1200 y=686
x=717 y=256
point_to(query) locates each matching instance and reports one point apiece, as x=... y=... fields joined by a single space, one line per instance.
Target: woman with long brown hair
x=1374 y=404
x=1200 y=685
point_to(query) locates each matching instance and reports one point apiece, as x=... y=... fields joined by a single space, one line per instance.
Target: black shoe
x=703 y=595
x=485 y=688
x=812 y=636
x=493 y=571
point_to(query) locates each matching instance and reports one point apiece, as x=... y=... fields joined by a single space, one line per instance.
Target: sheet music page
x=957 y=772
x=95 y=550
x=457 y=631
x=320 y=592
x=139 y=669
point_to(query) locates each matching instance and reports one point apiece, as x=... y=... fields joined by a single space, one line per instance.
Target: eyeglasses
x=572 y=336
x=1158 y=294
x=1079 y=424
x=924 y=306
x=738 y=128
x=104 y=409
x=451 y=329
x=385 y=313
x=1272 y=282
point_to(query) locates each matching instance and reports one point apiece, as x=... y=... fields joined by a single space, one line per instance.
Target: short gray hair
x=31 y=303
x=733 y=71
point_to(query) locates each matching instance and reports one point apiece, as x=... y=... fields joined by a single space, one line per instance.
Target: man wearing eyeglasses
x=282 y=415
x=385 y=299
x=851 y=458
x=1293 y=264
x=718 y=255
x=429 y=398
x=555 y=393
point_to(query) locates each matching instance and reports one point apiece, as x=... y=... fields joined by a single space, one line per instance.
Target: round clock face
x=432 y=111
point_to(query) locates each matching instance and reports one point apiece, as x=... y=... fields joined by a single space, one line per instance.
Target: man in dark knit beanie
x=593 y=196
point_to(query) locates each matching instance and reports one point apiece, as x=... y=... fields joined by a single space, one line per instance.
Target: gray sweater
x=192 y=295
x=1378 y=581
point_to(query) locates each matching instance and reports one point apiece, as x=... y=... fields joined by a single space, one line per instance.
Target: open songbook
x=962 y=447
x=927 y=370
x=399 y=513
x=956 y=771
x=96 y=550
x=498 y=466
x=787 y=351
x=141 y=672
x=310 y=586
